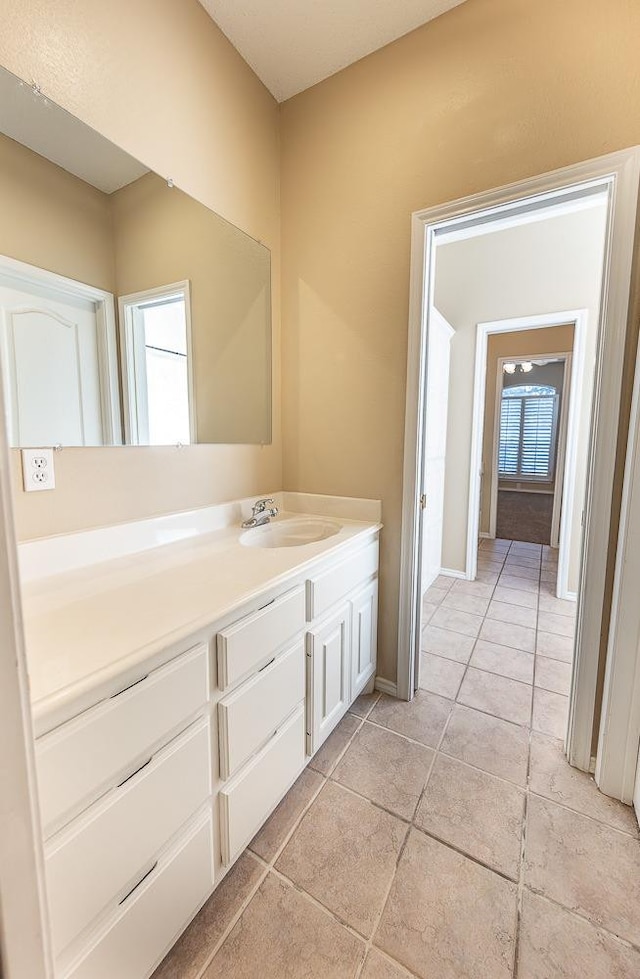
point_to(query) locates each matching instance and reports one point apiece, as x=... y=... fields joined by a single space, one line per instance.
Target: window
x=528 y=422
x=156 y=340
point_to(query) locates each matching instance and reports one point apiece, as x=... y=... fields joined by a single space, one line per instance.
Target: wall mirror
x=129 y=312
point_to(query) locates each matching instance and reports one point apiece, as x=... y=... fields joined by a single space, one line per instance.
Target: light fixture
x=509 y=368
x=526 y=366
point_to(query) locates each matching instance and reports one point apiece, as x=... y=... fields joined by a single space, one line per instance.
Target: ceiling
x=293 y=44
x=29 y=118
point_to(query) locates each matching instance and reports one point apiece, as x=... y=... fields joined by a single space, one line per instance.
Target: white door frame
x=30 y=275
x=24 y=937
x=578 y=318
x=619 y=736
x=618 y=174
x=561 y=452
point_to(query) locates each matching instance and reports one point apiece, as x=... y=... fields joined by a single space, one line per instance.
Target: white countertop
x=87 y=627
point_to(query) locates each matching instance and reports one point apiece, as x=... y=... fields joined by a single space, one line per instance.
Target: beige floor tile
x=474 y=812
x=551 y=776
x=270 y=838
x=520 y=584
x=434 y=594
x=555 y=944
x=550 y=713
x=378 y=966
x=496 y=695
x=498 y=544
x=585 y=866
x=475 y=604
x=514 y=596
x=525 y=562
x=283 y=935
x=190 y=953
x=452 y=645
x=521 y=571
x=479 y=589
x=344 y=853
x=513 y=614
x=555 y=647
x=492 y=565
x=422 y=719
x=325 y=758
x=493 y=658
x=549 y=603
x=549 y=576
x=489 y=743
x=447 y=917
x=509 y=634
x=428 y=609
x=440 y=676
x=386 y=768
x=559 y=625
x=456 y=621
x=444 y=581
x=365 y=703
x=484 y=576
x=552 y=674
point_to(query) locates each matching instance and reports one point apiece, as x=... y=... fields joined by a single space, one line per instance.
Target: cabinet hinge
x=423 y=501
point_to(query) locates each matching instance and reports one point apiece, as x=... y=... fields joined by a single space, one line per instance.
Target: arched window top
x=529 y=391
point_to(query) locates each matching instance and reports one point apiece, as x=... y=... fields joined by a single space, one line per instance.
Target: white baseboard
x=386 y=686
x=485 y=534
x=571 y=596
x=449 y=573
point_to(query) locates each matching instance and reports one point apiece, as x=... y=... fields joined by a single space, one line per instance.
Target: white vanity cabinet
x=119 y=838
x=150 y=795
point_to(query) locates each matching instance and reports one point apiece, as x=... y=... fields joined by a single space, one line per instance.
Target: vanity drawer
x=105 y=851
x=81 y=759
x=334 y=584
x=137 y=935
x=248 y=799
x=253 y=712
x=251 y=642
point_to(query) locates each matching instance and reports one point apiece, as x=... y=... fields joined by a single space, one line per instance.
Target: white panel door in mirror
x=50 y=359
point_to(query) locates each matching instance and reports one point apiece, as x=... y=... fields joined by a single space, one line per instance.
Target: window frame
x=136 y=421
x=519 y=476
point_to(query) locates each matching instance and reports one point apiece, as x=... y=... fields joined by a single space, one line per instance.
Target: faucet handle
x=261 y=505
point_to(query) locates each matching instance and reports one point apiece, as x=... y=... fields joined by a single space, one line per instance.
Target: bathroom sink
x=290 y=533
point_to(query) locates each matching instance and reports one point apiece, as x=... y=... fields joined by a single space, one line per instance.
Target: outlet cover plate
x=38 y=472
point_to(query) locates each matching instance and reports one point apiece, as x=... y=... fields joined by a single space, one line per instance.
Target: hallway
x=447 y=837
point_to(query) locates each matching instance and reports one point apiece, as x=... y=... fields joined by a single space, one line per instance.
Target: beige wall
x=159 y=79
x=54 y=220
x=163 y=236
x=481 y=96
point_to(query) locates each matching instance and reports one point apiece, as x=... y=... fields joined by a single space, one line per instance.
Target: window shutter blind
x=509 y=445
x=537 y=437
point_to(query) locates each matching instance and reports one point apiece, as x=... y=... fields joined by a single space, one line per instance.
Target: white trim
x=485 y=536
x=24 y=931
x=495 y=475
x=134 y=400
x=618 y=175
x=617 y=759
x=578 y=318
x=27 y=276
x=450 y=573
x=386 y=686
x=561 y=450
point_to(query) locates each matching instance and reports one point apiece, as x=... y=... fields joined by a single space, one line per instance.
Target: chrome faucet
x=262 y=512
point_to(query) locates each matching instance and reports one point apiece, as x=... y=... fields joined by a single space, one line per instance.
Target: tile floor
x=446 y=838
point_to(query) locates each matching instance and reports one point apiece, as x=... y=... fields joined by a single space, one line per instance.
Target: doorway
x=570 y=188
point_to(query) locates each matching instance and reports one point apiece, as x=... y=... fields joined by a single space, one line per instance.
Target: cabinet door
x=364 y=629
x=329 y=675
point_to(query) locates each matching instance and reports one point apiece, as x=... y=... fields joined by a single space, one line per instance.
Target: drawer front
x=101 y=855
x=334 y=584
x=250 y=715
x=249 y=798
x=136 y=937
x=251 y=642
x=83 y=758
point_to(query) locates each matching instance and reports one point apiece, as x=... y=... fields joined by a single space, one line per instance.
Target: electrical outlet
x=37 y=470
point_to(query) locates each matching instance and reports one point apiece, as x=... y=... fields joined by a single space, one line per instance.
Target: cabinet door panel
x=364 y=636
x=329 y=661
